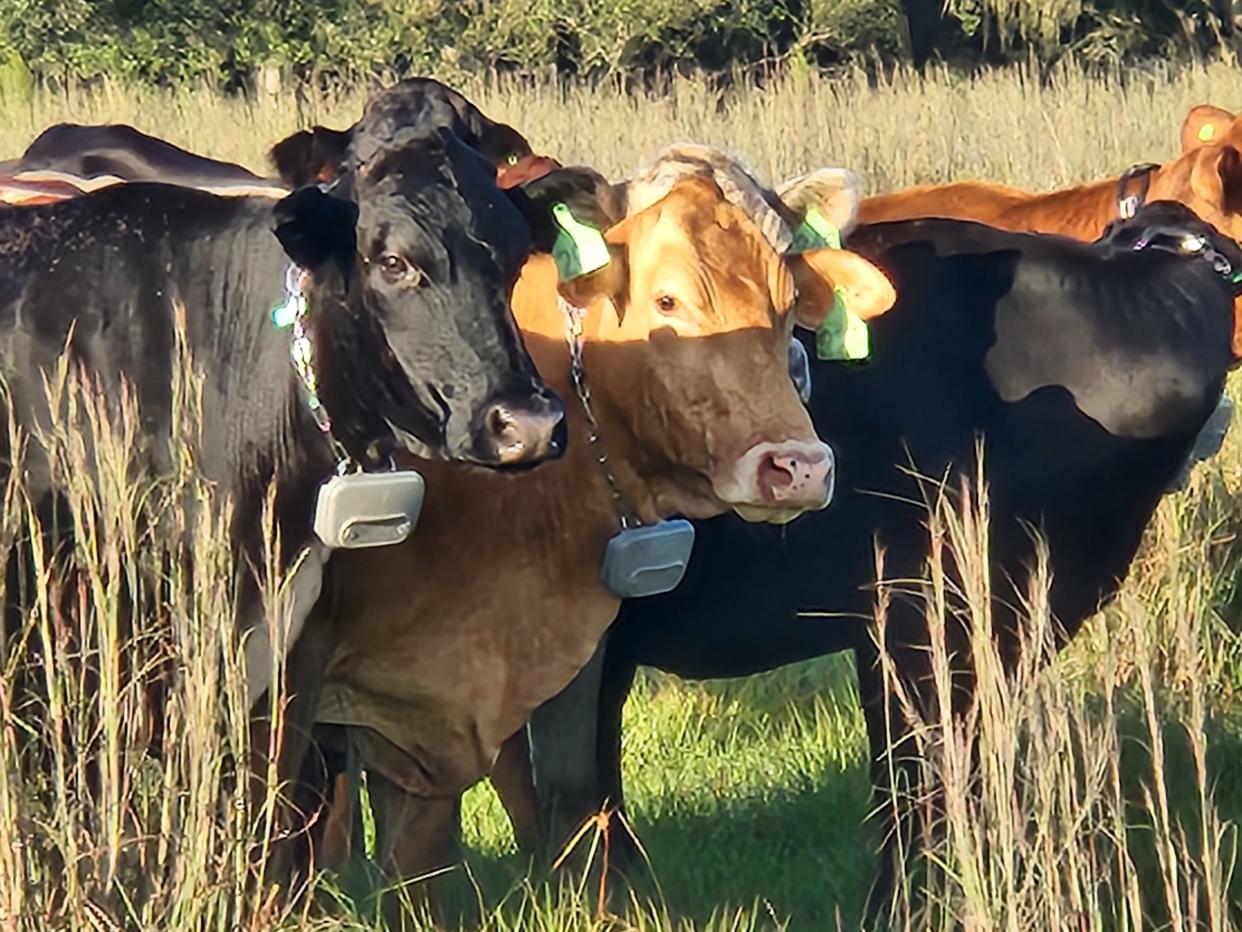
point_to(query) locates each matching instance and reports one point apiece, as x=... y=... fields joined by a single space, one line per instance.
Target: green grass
x=757 y=784
x=1114 y=782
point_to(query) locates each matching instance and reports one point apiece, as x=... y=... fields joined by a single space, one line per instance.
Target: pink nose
x=796 y=477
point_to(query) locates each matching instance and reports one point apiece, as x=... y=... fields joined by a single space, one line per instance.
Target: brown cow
x=1207 y=178
x=440 y=648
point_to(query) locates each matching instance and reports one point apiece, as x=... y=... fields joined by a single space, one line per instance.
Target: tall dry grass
x=1062 y=807
x=1095 y=807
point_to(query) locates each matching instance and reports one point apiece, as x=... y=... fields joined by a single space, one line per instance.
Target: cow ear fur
x=1216 y=177
x=587 y=194
x=314 y=227
x=834 y=192
x=1205 y=124
x=310 y=156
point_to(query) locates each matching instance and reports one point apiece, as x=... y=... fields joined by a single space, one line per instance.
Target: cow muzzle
x=776 y=482
x=513 y=434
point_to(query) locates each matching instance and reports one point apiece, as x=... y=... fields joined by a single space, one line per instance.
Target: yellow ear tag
x=1206 y=132
x=842 y=335
x=579 y=249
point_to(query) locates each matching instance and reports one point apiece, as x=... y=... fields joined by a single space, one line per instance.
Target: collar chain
x=573 y=336
x=302 y=352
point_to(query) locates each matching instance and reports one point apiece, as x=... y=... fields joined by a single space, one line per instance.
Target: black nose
x=516 y=435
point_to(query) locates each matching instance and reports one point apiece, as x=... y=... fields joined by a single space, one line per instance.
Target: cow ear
x=819 y=274
x=1216 y=178
x=586 y=194
x=832 y=193
x=606 y=282
x=1204 y=124
x=310 y=156
x=314 y=227
x=569 y=210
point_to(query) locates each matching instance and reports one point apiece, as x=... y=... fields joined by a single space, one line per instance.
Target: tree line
x=231 y=42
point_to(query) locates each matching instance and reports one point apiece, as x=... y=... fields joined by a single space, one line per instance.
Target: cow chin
x=763 y=515
x=412 y=444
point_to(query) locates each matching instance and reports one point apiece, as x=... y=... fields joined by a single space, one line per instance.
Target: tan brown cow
x=1207 y=178
x=440 y=648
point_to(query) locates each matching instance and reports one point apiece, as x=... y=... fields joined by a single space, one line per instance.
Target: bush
x=230 y=41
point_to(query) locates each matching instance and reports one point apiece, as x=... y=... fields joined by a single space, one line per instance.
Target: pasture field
x=1112 y=782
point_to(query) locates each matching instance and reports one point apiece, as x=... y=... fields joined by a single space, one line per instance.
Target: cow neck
x=553 y=357
x=1083 y=212
x=574 y=317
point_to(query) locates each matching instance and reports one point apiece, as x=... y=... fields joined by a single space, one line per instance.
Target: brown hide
x=494 y=604
x=1207 y=179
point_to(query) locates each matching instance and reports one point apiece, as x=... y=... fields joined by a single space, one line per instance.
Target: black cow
x=1087 y=370
x=409 y=265
x=121 y=151
x=315 y=155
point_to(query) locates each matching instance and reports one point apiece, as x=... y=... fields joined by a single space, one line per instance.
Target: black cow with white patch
x=1087 y=370
x=409 y=262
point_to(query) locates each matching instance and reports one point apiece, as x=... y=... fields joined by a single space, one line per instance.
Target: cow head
x=688 y=328
x=316 y=155
x=1207 y=178
x=412 y=258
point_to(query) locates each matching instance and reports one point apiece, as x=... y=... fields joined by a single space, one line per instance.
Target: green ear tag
x=842 y=335
x=816 y=232
x=579 y=249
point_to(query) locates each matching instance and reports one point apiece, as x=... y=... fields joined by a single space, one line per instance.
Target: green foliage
x=230 y=41
x=1097 y=29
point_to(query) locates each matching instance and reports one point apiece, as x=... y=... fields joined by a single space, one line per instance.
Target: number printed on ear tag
x=368 y=509
x=648 y=560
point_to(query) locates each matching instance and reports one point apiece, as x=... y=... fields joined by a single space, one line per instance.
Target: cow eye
x=666 y=304
x=394 y=268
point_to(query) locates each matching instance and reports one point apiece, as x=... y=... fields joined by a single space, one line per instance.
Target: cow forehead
x=443 y=195
x=694 y=240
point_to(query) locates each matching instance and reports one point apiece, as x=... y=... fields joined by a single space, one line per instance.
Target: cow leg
x=305 y=666
x=894 y=782
x=514 y=783
x=617 y=679
x=416 y=837
x=262 y=644
x=562 y=734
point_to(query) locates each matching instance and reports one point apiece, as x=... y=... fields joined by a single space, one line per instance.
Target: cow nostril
x=518 y=436
x=777 y=472
x=500 y=422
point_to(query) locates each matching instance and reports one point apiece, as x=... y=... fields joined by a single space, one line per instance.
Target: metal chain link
x=302 y=352
x=573 y=336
